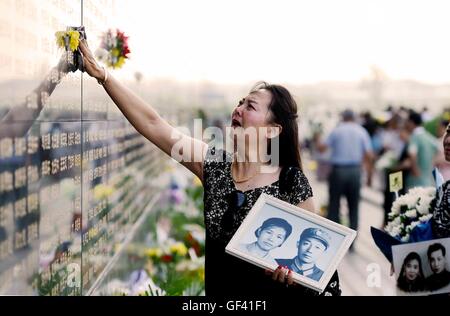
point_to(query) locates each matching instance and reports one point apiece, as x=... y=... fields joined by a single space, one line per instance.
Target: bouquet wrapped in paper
x=114 y=49
x=70 y=40
x=409 y=220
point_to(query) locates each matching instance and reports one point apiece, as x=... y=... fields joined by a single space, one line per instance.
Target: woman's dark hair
x=284 y=112
x=277 y=222
x=419 y=283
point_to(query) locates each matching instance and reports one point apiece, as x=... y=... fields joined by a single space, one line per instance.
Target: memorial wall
x=75 y=176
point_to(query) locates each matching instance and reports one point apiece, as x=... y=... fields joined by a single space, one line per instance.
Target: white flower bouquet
x=410 y=211
x=409 y=220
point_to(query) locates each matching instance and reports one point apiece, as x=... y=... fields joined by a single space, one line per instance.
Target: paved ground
x=364 y=271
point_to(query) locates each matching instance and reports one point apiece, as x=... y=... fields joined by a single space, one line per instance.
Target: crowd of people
x=365 y=147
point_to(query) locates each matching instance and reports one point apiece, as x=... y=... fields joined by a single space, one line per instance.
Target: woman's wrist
x=102 y=76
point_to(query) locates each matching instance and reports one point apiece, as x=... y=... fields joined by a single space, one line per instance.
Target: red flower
x=166 y=258
x=126 y=50
x=197 y=249
x=193 y=243
x=189 y=238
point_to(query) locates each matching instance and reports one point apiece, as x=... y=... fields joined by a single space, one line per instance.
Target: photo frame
x=278 y=233
x=422 y=268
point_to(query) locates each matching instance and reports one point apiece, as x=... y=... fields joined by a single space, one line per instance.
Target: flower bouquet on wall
x=70 y=40
x=114 y=49
x=409 y=220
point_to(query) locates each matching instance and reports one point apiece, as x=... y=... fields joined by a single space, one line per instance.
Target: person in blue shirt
x=350 y=149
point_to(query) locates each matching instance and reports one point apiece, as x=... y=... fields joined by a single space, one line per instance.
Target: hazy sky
x=236 y=41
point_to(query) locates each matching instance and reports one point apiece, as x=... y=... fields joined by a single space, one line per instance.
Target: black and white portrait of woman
x=270 y=235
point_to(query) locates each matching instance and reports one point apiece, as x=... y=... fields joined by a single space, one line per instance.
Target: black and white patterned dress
x=441 y=214
x=226 y=275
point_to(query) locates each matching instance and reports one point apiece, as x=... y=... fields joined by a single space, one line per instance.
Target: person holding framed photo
x=233 y=179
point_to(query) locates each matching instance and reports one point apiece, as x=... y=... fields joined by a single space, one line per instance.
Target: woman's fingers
x=280 y=274
x=276 y=273
x=92 y=68
x=87 y=54
x=290 y=278
x=283 y=275
x=85 y=48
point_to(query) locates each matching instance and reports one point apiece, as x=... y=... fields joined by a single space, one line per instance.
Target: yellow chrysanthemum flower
x=60 y=38
x=115 y=52
x=154 y=252
x=120 y=62
x=74 y=40
x=201 y=273
x=179 y=248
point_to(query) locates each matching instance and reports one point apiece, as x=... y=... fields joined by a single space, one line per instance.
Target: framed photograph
x=422 y=268
x=277 y=233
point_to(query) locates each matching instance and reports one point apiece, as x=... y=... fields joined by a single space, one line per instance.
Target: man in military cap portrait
x=313 y=243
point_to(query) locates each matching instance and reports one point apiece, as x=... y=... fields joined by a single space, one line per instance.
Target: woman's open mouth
x=235 y=123
x=447 y=150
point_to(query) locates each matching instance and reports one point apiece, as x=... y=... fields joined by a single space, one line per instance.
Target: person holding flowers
x=234 y=179
x=422 y=214
x=441 y=214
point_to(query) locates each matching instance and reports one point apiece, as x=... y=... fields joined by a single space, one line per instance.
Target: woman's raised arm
x=146 y=120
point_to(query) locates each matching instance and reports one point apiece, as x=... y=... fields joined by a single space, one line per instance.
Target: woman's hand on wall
x=90 y=64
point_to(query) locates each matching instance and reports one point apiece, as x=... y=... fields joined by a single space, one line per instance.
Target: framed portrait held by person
x=276 y=233
x=422 y=268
